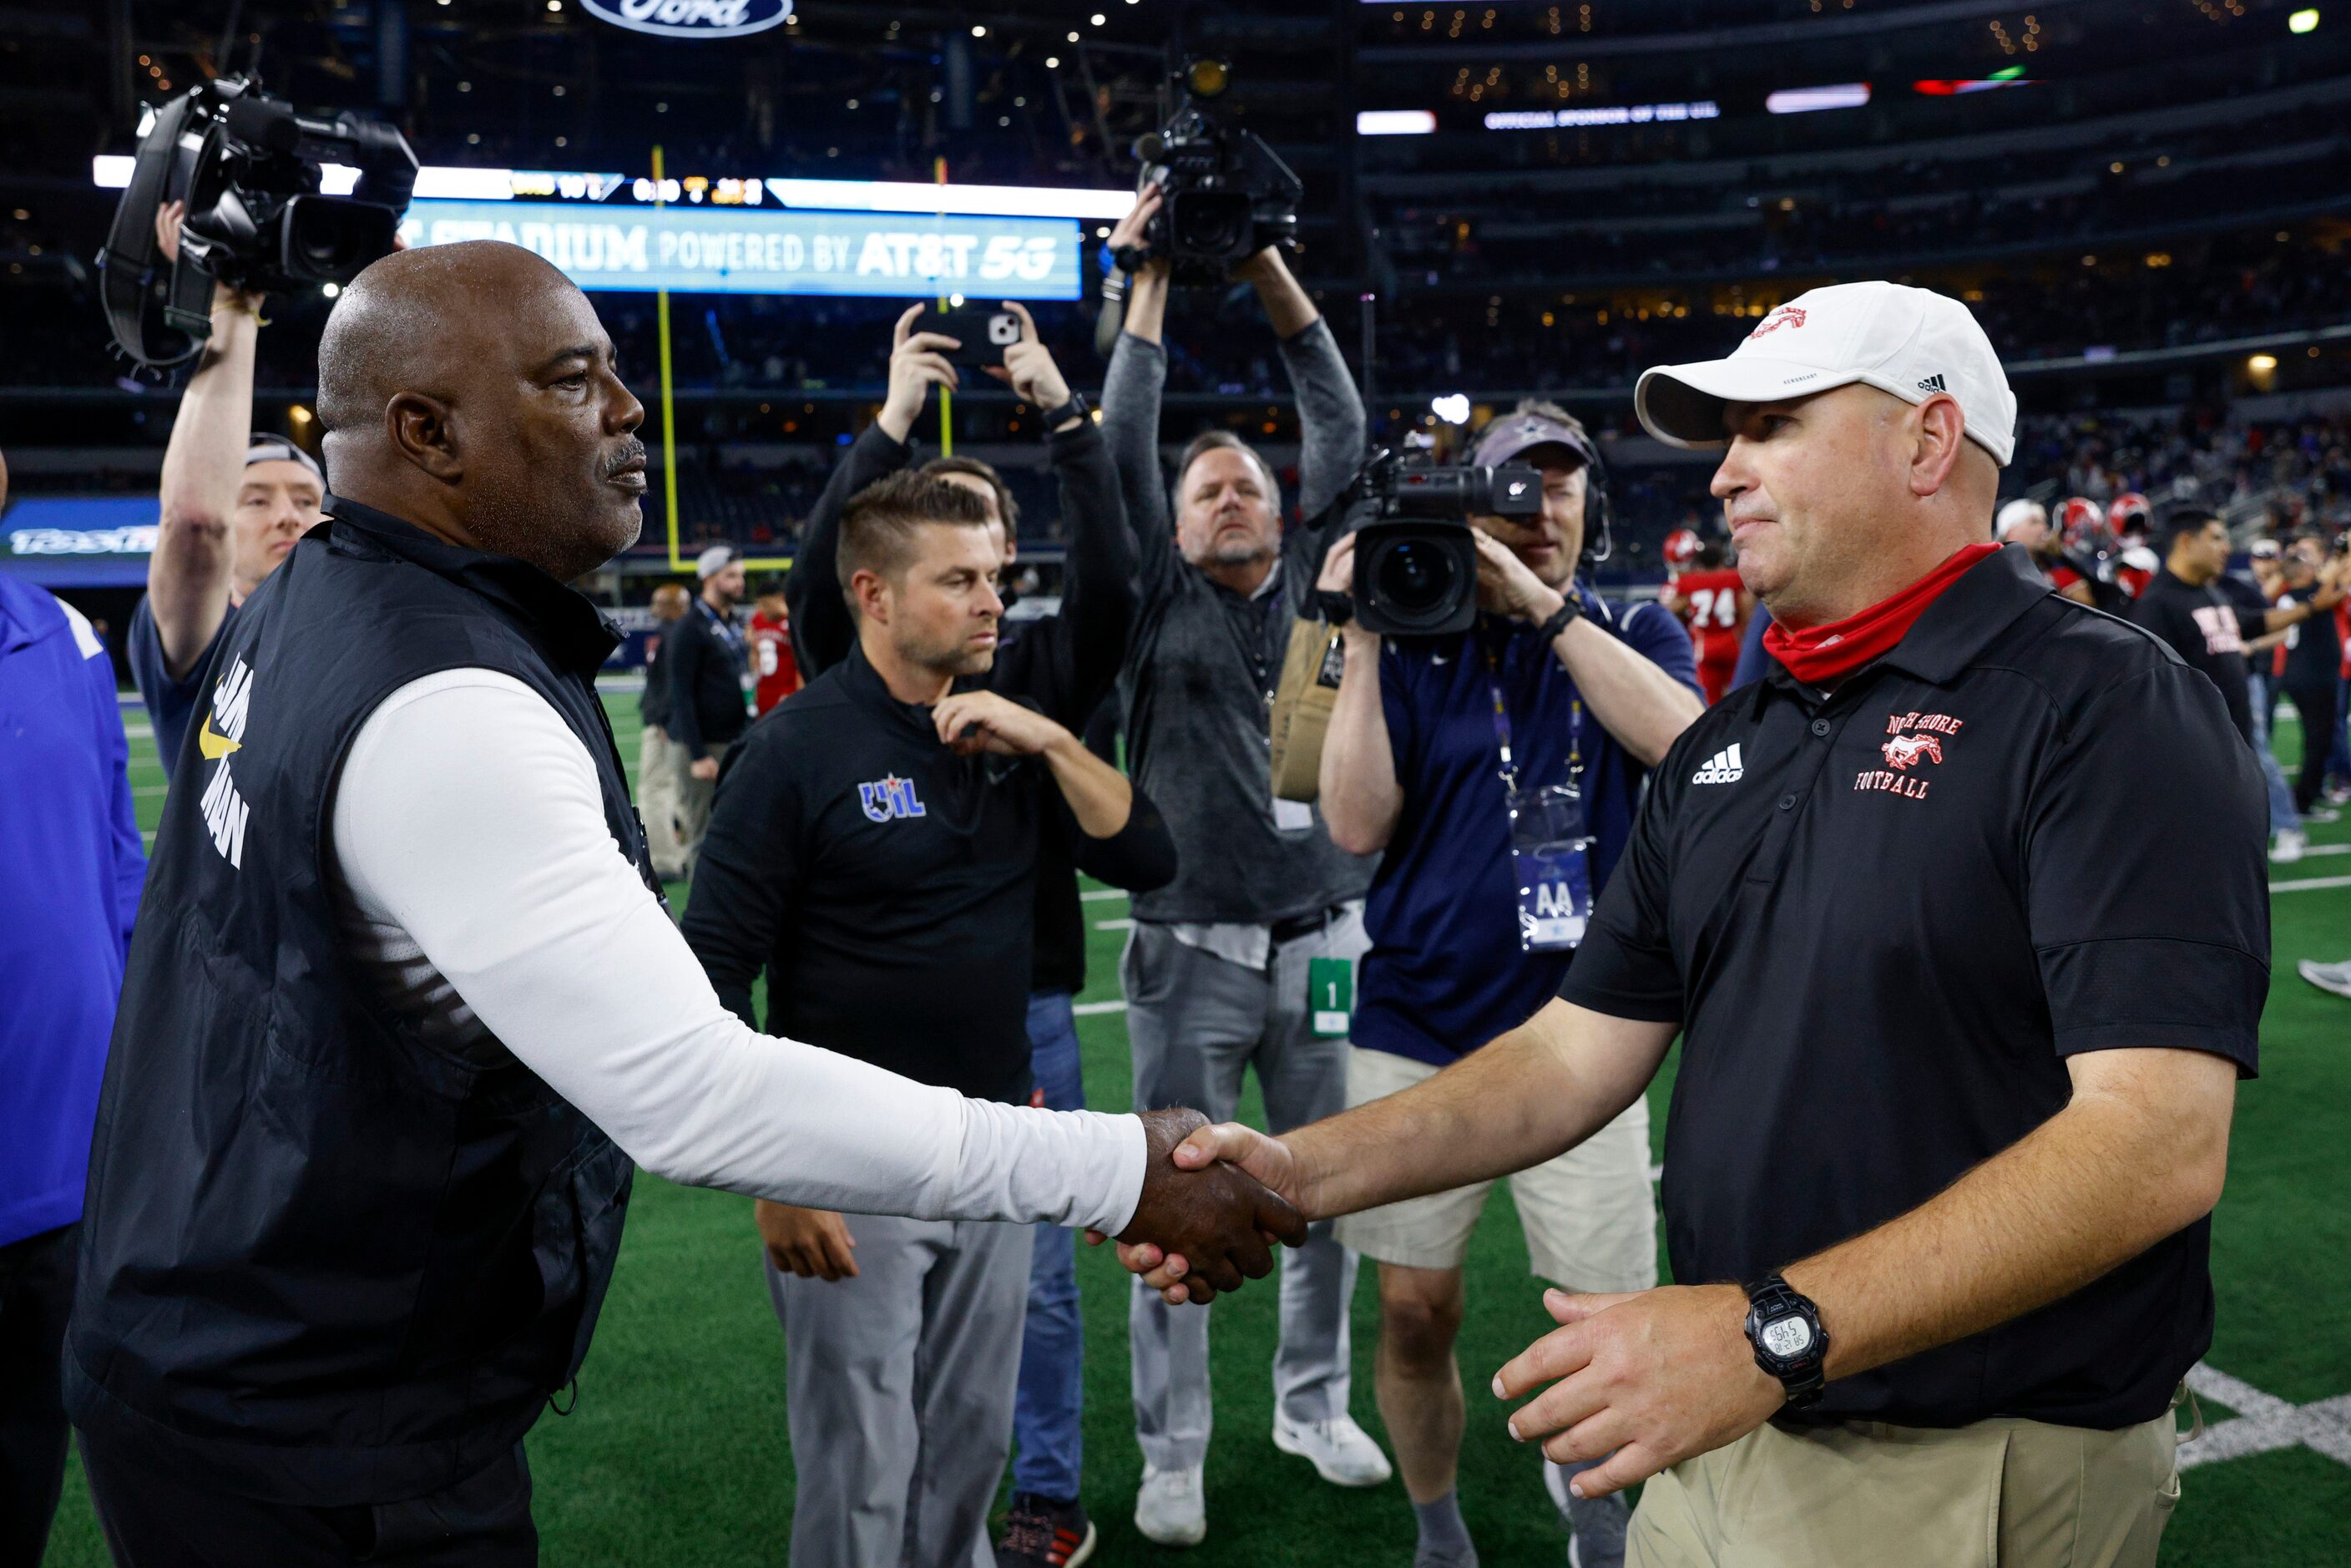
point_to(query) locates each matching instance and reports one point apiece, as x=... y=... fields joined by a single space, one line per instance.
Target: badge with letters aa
x=1330 y=994
x=1551 y=864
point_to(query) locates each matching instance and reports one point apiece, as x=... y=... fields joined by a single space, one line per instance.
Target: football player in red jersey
x=1680 y=551
x=1714 y=604
x=778 y=672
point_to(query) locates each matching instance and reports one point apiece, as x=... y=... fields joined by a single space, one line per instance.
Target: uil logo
x=222 y=736
x=890 y=799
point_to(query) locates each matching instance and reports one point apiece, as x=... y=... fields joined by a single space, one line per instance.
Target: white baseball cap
x=1911 y=342
x=2016 y=514
x=715 y=560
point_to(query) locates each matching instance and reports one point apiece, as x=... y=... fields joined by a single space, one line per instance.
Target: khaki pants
x=658 y=781
x=693 y=797
x=2003 y=1493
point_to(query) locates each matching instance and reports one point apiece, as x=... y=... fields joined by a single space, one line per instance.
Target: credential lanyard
x=1510 y=768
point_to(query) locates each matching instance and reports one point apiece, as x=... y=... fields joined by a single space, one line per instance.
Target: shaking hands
x=1214 y=1200
x=1202 y=1225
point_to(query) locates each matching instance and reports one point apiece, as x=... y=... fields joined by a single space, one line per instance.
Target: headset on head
x=1599 y=541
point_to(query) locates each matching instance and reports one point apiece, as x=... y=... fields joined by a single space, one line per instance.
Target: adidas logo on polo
x=1933 y=383
x=1724 y=767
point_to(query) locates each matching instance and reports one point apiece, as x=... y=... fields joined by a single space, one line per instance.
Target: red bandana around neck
x=1822 y=655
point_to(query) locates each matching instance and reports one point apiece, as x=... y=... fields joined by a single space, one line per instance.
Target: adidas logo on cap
x=1724 y=767
x=1933 y=383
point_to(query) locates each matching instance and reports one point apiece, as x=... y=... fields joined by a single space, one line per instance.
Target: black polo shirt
x=1885 y=917
x=2207 y=628
x=887 y=885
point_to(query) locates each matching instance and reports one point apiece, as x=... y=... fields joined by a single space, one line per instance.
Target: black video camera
x=1416 y=555
x=1228 y=195
x=252 y=172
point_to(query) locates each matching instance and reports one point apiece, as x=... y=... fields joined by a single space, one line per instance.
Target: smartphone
x=984 y=334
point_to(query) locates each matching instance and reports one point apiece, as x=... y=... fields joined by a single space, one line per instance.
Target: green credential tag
x=1330 y=994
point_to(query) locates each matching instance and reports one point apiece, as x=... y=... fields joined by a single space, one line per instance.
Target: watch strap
x=1773 y=1298
x=1077 y=408
x=1571 y=610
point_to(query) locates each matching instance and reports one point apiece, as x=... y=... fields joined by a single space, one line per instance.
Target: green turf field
x=676 y=1453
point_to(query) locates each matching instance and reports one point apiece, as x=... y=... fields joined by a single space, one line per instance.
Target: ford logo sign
x=692 y=18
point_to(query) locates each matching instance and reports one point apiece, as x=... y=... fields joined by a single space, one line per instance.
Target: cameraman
x=1217 y=969
x=1552 y=686
x=231 y=506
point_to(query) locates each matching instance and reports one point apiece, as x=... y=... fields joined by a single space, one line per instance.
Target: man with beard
x=875 y=849
x=1219 y=966
x=405 y=1003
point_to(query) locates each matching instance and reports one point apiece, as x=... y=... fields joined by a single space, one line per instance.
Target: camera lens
x=1211 y=223
x=1414 y=577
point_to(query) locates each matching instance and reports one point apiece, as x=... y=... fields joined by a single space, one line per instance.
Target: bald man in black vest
x=405 y=1006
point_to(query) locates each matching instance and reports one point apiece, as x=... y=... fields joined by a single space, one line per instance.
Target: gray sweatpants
x=899 y=1392
x=1196 y=1022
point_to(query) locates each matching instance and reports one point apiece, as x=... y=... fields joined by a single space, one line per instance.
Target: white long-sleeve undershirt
x=469 y=831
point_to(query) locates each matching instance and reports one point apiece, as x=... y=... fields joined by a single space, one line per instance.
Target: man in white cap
x=707 y=666
x=1962 y=1006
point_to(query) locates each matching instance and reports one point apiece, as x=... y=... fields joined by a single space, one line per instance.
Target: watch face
x=1787 y=1337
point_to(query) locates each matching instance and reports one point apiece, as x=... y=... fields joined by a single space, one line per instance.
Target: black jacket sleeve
x=746 y=881
x=822 y=628
x=683 y=649
x=1099 y=596
x=1139 y=857
x=1066 y=664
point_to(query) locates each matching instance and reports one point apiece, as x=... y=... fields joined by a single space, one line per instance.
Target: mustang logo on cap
x=1786 y=316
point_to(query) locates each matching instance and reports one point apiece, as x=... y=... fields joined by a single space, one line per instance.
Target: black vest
x=323 y=1262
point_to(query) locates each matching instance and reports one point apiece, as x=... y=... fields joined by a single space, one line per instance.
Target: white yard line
x=1099 y=894
x=2310 y=883
x=1091 y=1009
x=2264 y=1423
x=1114 y=925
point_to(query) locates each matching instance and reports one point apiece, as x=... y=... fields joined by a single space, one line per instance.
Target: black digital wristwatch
x=1790 y=1343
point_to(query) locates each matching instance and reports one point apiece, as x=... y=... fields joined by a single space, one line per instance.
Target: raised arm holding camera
x=1265 y=909
x=1497 y=772
x=231 y=507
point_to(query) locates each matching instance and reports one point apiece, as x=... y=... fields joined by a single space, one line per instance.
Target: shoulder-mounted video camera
x=1416 y=555
x=1227 y=194
x=252 y=175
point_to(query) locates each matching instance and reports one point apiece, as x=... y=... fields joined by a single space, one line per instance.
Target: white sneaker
x=1172 y=1508
x=2335 y=977
x=1341 y=1452
x=2289 y=845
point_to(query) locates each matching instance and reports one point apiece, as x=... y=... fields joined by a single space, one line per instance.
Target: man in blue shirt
x=70 y=874
x=1433 y=743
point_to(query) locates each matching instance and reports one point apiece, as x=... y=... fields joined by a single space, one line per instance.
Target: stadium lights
x=446 y=183
x=1452 y=408
x=1811 y=99
x=2304 y=21
x=2261 y=364
x=1395 y=122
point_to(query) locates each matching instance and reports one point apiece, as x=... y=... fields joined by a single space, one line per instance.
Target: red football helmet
x=2129 y=516
x=2080 y=522
x=1681 y=548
